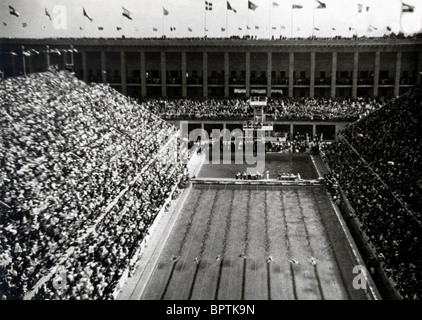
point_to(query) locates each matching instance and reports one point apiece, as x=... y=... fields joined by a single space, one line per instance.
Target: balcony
x=259 y=80
x=344 y=81
x=365 y=81
x=407 y=81
x=153 y=80
x=302 y=81
x=234 y=80
x=322 y=81
x=280 y=81
x=386 y=81
x=215 y=80
x=174 y=80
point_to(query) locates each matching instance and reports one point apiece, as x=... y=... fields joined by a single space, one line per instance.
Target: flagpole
x=226 y=22
x=247 y=22
x=205 y=22
x=269 y=19
x=313 y=21
x=291 y=24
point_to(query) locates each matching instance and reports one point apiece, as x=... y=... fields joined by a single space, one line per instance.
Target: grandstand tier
x=84 y=171
x=376 y=163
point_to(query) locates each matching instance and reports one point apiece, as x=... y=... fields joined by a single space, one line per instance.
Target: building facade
x=227 y=67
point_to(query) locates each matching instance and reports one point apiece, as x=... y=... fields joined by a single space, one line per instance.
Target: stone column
x=103 y=67
x=205 y=74
x=312 y=76
x=47 y=57
x=84 y=67
x=377 y=73
x=334 y=75
x=419 y=69
x=269 y=70
x=184 y=82
x=123 y=72
x=163 y=75
x=143 y=74
x=291 y=69
x=397 y=74
x=226 y=74
x=355 y=74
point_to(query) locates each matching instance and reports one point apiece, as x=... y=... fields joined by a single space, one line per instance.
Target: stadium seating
x=377 y=164
x=68 y=150
x=278 y=108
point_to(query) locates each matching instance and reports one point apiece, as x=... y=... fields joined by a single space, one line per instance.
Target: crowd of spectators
x=380 y=176
x=390 y=141
x=391 y=35
x=68 y=150
x=283 y=108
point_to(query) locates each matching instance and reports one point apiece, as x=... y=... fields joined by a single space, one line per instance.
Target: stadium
x=225 y=166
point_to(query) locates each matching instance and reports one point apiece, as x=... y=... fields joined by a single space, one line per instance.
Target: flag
x=100 y=28
x=205 y=29
x=406 y=7
x=247 y=27
x=26 y=53
x=256 y=27
x=189 y=29
x=80 y=28
x=13 y=53
x=13 y=11
x=239 y=28
x=388 y=28
x=275 y=4
x=316 y=29
x=229 y=7
x=223 y=29
x=126 y=13
x=208 y=5
x=374 y=27
x=154 y=29
x=56 y=51
x=282 y=27
x=86 y=15
x=359 y=7
x=333 y=29
x=252 y=6
x=24 y=24
x=172 y=28
x=274 y=28
x=297 y=6
x=367 y=9
x=321 y=5
x=34 y=51
x=47 y=13
x=165 y=12
x=118 y=28
x=4 y=23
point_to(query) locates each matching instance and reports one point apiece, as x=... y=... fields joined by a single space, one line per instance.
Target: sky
x=188 y=18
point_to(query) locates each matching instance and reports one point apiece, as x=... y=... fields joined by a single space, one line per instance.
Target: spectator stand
x=55 y=269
